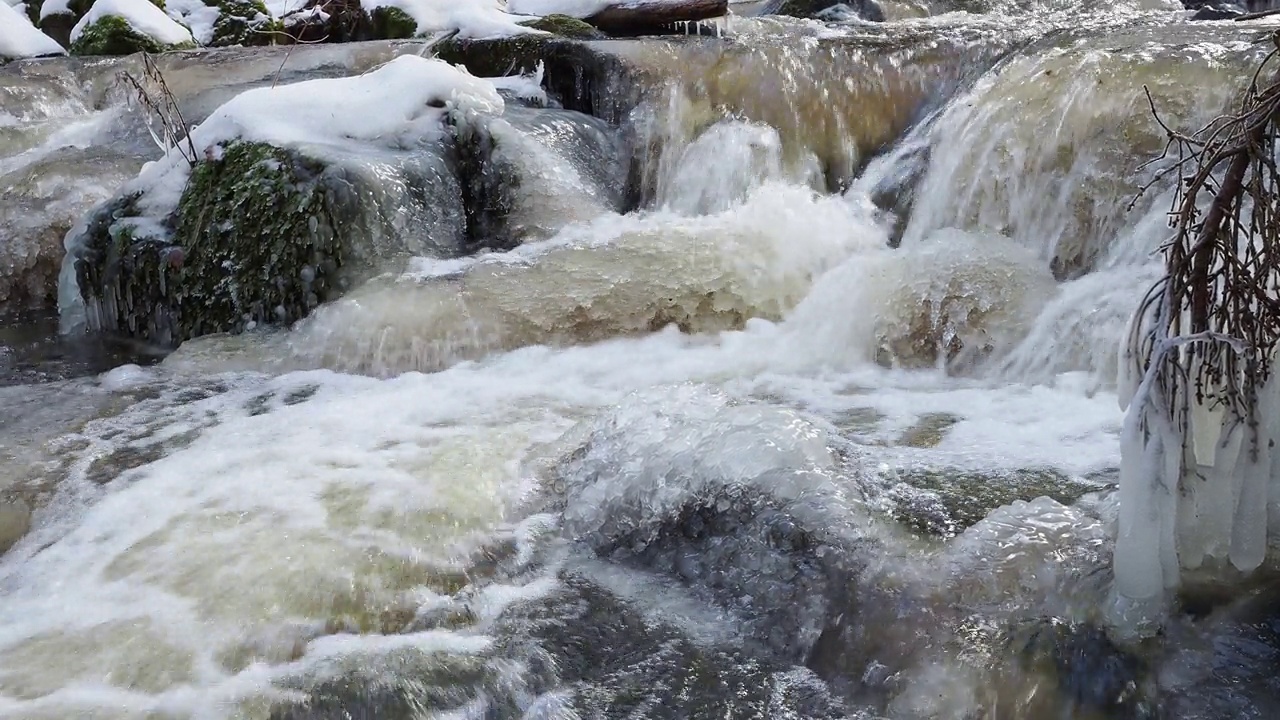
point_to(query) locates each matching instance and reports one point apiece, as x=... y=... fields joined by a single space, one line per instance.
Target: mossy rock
x=261 y=235
x=388 y=23
x=243 y=22
x=58 y=27
x=113 y=35
x=33 y=11
x=565 y=26
x=581 y=75
x=944 y=502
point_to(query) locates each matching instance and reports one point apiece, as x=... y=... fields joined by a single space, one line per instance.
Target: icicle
x=1127 y=374
x=1257 y=481
x=1220 y=489
x=1206 y=431
x=1138 y=564
x=1174 y=455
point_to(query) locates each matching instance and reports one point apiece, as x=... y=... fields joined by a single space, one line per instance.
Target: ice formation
x=20 y=39
x=1191 y=492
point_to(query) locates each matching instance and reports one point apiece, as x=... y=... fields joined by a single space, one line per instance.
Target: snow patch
x=195 y=15
x=141 y=16
x=473 y=19
x=410 y=94
x=20 y=39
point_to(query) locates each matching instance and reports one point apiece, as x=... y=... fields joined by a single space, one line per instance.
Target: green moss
x=112 y=35
x=260 y=235
x=33 y=11
x=243 y=22
x=565 y=26
x=388 y=23
x=261 y=229
x=804 y=8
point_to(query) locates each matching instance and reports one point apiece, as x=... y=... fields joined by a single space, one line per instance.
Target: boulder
x=1220 y=11
x=261 y=235
x=113 y=35
x=348 y=21
x=243 y=22
x=832 y=9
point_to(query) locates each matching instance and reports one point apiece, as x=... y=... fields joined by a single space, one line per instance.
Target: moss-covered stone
x=33 y=11
x=581 y=75
x=58 y=26
x=388 y=23
x=112 y=35
x=260 y=230
x=243 y=22
x=565 y=26
x=261 y=235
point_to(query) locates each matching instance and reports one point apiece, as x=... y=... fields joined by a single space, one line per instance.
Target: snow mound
x=141 y=15
x=473 y=19
x=197 y=16
x=20 y=39
x=411 y=95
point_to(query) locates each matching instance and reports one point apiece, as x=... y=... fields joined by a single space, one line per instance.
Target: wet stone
x=614 y=662
x=945 y=501
x=752 y=558
x=15 y=522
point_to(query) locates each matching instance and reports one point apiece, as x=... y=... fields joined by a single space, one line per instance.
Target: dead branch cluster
x=1223 y=261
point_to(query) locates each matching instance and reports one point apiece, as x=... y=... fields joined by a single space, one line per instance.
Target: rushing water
x=826 y=427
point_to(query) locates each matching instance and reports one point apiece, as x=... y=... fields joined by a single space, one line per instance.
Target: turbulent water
x=825 y=427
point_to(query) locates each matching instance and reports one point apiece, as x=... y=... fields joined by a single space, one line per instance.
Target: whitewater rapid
x=409 y=490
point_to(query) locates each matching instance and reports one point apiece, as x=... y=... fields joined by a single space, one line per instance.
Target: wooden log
x=655 y=17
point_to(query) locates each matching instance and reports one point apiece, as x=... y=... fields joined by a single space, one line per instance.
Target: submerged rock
x=944 y=502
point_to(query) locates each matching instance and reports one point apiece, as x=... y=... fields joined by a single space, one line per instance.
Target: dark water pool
x=32 y=350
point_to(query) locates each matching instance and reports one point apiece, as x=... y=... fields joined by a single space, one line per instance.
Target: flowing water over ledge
x=733 y=453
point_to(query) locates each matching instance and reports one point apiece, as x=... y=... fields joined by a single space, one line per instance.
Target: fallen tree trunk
x=655 y=17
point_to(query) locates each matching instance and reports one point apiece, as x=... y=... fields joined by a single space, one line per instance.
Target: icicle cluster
x=1195 y=488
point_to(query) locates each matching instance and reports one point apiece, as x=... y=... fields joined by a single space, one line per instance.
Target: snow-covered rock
x=292 y=192
x=117 y=27
x=20 y=39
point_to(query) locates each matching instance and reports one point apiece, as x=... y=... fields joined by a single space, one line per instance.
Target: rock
x=15 y=521
x=944 y=502
x=832 y=10
x=112 y=35
x=579 y=74
x=243 y=22
x=261 y=235
x=40 y=204
x=346 y=21
x=1091 y=675
x=1220 y=11
x=565 y=27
